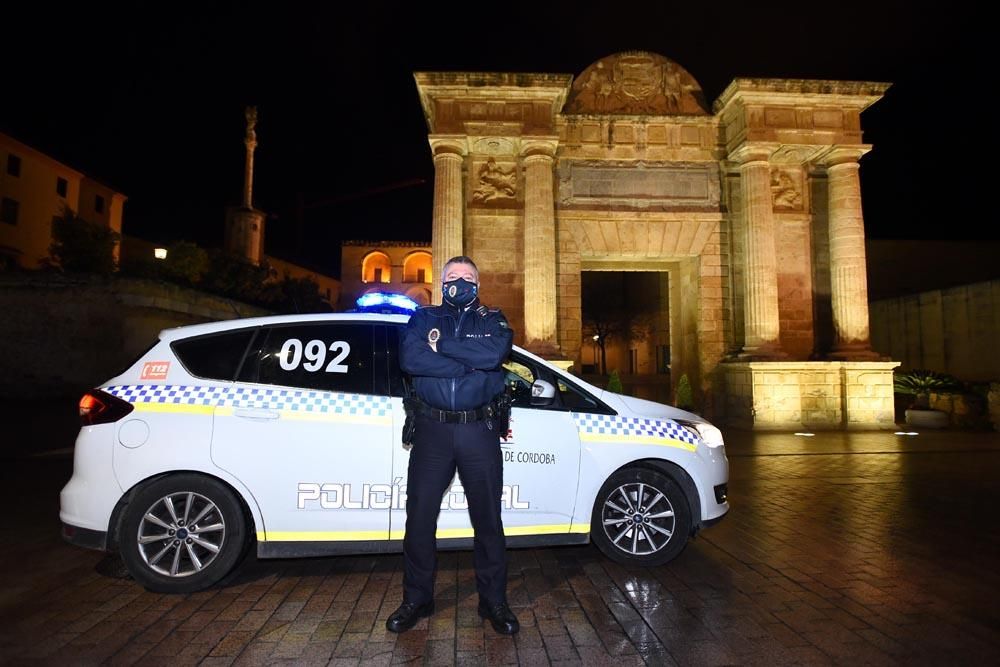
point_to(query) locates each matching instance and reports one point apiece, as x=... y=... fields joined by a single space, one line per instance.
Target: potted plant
x=920 y=383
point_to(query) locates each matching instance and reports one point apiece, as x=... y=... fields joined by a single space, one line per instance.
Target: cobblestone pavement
x=839 y=549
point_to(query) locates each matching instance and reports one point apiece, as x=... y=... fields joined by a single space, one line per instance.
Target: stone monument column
x=446 y=231
x=244 y=231
x=540 y=330
x=250 y=141
x=762 y=325
x=848 y=270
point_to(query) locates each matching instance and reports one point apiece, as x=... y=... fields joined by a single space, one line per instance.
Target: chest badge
x=433 y=335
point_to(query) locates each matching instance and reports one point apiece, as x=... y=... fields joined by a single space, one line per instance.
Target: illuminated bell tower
x=244 y=234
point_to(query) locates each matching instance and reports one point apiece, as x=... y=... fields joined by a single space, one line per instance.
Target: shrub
x=615 y=382
x=684 y=397
x=920 y=383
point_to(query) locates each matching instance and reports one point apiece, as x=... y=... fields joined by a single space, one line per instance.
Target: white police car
x=284 y=431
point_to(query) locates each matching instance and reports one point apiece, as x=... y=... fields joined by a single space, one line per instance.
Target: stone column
x=762 y=325
x=446 y=230
x=540 y=332
x=848 y=270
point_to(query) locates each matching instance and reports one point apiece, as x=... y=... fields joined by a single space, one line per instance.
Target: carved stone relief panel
x=622 y=185
x=786 y=189
x=636 y=82
x=494 y=183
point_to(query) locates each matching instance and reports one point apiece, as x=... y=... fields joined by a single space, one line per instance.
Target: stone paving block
x=789 y=577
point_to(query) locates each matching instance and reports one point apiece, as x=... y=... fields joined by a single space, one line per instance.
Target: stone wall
x=62 y=336
x=811 y=395
x=952 y=331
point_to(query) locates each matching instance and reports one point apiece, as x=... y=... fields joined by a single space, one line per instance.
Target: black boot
x=407 y=616
x=500 y=616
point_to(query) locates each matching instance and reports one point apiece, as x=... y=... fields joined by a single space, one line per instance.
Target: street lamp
x=597 y=337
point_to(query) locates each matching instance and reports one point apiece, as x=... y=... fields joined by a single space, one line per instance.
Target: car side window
x=518 y=377
x=576 y=401
x=329 y=356
x=213 y=356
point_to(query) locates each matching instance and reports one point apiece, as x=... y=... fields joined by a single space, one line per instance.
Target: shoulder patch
x=483 y=310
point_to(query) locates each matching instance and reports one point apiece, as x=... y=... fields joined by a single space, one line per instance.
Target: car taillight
x=99 y=407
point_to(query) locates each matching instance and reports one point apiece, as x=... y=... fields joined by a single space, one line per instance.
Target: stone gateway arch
x=750 y=208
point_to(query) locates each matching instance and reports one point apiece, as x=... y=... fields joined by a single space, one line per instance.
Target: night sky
x=152 y=103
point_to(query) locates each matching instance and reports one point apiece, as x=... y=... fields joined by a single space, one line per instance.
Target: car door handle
x=256 y=413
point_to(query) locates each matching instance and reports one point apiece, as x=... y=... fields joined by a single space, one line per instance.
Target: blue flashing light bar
x=381 y=302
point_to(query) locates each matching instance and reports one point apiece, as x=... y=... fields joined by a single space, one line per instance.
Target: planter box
x=927 y=418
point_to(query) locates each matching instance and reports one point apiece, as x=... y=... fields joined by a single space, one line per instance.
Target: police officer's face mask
x=459 y=292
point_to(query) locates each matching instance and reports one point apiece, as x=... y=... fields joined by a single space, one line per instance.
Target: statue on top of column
x=251 y=139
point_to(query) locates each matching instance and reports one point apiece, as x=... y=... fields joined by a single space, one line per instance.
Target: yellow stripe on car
x=442 y=533
x=638 y=440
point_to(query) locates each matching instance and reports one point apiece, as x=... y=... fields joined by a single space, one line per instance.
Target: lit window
x=417 y=267
x=13 y=165
x=376 y=268
x=61 y=187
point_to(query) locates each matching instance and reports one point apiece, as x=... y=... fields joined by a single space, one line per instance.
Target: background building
x=34 y=189
x=402 y=267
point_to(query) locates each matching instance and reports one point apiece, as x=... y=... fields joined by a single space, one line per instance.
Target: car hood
x=642 y=408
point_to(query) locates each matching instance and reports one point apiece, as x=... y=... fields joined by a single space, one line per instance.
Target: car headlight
x=710 y=435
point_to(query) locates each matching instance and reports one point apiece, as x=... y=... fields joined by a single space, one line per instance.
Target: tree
x=79 y=246
x=236 y=278
x=186 y=262
x=616 y=306
x=298 y=295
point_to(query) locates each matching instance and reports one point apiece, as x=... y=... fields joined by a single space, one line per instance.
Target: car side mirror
x=542 y=393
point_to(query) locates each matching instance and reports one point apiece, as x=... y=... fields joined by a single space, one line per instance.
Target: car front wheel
x=182 y=533
x=641 y=517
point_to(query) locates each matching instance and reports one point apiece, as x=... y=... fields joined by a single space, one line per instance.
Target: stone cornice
x=492 y=86
x=852 y=94
x=387 y=244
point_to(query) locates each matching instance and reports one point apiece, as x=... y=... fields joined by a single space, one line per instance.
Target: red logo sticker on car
x=155 y=370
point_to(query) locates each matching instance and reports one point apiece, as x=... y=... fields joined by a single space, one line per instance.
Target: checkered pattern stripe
x=296 y=400
x=632 y=426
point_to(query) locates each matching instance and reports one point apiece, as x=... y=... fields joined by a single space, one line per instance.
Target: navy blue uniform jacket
x=465 y=372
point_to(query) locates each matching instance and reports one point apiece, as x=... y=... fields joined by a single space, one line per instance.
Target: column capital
x=752 y=152
x=448 y=144
x=544 y=147
x=837 y=155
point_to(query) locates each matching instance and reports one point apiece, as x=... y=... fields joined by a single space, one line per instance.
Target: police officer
x=453 y=353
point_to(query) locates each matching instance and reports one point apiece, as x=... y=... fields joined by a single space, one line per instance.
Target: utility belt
x=488 y=411
x=496 y=414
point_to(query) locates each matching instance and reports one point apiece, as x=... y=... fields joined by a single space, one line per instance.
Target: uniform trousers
x=438 y=450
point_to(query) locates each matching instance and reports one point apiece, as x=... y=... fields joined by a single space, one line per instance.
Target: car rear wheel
x=641 y=517
x=182 y=533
